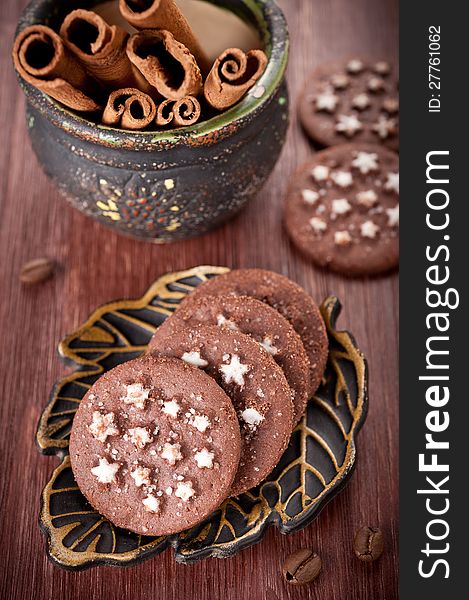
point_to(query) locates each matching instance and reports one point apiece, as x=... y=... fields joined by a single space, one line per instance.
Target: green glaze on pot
x=166 y=185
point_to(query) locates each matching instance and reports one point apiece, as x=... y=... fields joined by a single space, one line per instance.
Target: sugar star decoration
x=269 y=346
x=326 y=101
x=367 y=198
x=310 y=196
x=349 y=125
x=340 y=81
x=234 y=371
x=392 y=182
x=391 y=105
x=102 y=426
x=105 y=472
x=342 y=178
x=342 y=238
x=375 y=84
x=341 y=206
x=320 y=172
x=365 y=162
x=194 y=359
x=382 y=67
x=318 y=224
x=136 y=394
x=361 y=101
x=384 y=127
x=204 y=459
x=355 y=66
x=393 y=216
x=369 y=229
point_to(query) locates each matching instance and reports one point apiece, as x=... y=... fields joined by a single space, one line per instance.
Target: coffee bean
x=368 y=543
x=303 y=566
x=36 y=271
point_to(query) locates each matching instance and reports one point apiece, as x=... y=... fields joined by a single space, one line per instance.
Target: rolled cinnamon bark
x=130 y=108
x=165 y=63
x=42 y=59
x=180 y=113
x=232 y=75
x=164 y=14
x=101 y=48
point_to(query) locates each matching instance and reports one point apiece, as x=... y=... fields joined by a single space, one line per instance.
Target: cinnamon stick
x=130 y=108
x=232 y=75
x=101 y=48
x=164 y=14
x=180 y=113
x=42 y=59
x=165 y=63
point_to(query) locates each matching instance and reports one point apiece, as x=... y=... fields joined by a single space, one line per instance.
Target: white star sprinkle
x=251 y=416
x=204 y=459
x=367 y=198
x=349 y=125
x=355 y=66
x=102 y=426
x=369 y=229
x=310 y=196
x=384 y=127
x=341 y=206
x=141 y=476
x=393 y=216
x=375 y=84
x=342 y=238
x=361 y=101
x=268 y=345
x=151 y=504
x=184 y=490
x=365 y=162
x=340 y=81
x=194 y=359
x=326 y=101
x=392 y=182
x=140 y=436
x=136 y=394
x=318 y=224
x=222 y=321
x=391 y=105
x=342 y=178
x=171 y=408
x=105 y=472
x=171 y=453
x=200 y=422
x=234 y=371
x=382 y=67
x=320 y=172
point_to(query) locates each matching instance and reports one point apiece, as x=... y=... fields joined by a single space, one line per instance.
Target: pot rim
x=270 y=23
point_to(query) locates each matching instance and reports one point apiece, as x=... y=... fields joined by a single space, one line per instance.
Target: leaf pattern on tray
x=315 y=466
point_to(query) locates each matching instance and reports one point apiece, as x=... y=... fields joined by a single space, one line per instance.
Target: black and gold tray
x=316 y=465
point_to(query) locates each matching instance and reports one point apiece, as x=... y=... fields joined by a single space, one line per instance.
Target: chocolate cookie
x=155 y=445
x=288 y=298
x=342 y=209
x=256 y=385
x=356 y=100
x=261 y=322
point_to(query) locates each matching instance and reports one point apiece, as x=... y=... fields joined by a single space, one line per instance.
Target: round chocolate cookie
x=356 y=100
x=261 y=322
x=291 y=301
x=342 y=209
x=155 y=445
x=256 y=385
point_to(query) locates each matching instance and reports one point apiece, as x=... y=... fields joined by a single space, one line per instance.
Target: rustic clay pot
x=164 y=186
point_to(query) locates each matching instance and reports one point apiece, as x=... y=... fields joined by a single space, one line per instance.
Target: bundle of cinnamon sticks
x=159 y=77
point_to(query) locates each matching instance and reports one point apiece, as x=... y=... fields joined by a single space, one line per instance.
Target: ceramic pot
x=164 y=186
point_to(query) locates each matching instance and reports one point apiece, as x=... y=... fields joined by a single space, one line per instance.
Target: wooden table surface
x=97 y=266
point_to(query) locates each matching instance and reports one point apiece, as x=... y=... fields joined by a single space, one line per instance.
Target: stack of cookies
x=158 y=443
x=342 y=205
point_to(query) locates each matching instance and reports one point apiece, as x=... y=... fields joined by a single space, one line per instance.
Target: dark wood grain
x=97 y=266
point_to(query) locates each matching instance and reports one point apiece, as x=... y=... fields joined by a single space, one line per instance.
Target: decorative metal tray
x=316 y=465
